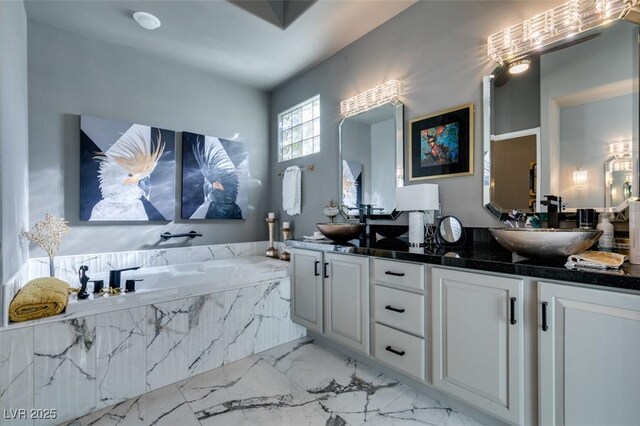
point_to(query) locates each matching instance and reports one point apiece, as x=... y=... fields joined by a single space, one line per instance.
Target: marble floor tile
x=162 y=407
x=250 y=391
x=299 y=383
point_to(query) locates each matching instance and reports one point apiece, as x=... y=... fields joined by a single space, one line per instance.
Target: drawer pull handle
x=513 y=311
x=545 y=327
x=315 y=268
x=393 y=351
x=326 y=265
x=391 y=308
x=395 y=274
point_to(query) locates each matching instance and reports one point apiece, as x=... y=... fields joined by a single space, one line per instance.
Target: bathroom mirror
x=578 y=104
x=371 y=161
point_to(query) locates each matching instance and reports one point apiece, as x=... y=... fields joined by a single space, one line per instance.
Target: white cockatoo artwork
x=125 y=175
x=214 y=177
x=350 y=185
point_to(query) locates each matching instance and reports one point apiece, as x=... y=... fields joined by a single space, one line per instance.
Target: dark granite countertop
x=482 y=253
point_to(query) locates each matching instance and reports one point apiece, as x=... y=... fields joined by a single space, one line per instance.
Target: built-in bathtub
x=180 y=281
x=182 y=320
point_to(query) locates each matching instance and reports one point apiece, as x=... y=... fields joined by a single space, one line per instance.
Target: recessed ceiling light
x=518 y=67
x=146 y=20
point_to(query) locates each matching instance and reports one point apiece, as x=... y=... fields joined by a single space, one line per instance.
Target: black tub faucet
x=115 y=275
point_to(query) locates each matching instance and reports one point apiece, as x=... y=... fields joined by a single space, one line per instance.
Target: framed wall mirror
x=580 y=99
x=371 y=161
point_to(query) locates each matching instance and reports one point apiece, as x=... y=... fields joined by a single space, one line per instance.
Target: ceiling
x=220 y=37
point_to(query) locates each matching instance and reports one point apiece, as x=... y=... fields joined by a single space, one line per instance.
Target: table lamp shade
x=417 y=197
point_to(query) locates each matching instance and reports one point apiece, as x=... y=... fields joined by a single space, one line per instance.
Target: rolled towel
x=39 y=298
x=595 y=260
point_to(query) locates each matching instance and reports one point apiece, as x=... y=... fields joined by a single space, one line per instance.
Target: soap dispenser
x=605 y=243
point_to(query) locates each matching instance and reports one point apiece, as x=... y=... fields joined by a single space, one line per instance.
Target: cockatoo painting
x=215 y=174
x=351 y=185
x=127 y=171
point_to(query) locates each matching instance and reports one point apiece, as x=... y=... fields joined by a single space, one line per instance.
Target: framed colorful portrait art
x=441 y=144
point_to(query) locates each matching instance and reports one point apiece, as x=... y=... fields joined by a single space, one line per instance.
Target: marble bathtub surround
x=91 y=362
x=16 y=369
x=64 y=366
x=167 y=345
x=121 y=340
x=293 y=384
x=66 y=267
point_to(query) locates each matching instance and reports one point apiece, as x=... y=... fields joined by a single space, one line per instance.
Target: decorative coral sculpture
x=47 y=234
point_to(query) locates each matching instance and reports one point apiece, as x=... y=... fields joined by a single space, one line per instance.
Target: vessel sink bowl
x=340 y=231
x=544 y=243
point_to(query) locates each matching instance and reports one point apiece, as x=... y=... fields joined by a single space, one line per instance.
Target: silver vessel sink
x=544 y=243
x=340 y=231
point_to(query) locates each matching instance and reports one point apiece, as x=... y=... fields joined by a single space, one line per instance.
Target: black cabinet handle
x=326 y=264
x=395 y=274
x=513 y=311
x=393 y=351
x=315 y=268
x=545 y=327
x=391 y=308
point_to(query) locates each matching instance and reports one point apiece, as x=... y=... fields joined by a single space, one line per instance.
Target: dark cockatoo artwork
x=214 y=178
x=127 y=171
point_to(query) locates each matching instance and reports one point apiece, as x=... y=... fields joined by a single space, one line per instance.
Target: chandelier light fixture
x=567 y=20
x=387 y=92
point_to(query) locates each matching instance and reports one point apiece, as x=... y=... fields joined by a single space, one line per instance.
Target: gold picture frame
x=441 y=144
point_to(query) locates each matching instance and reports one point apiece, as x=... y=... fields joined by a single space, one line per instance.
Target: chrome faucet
x=115 y=275
x=554 y=207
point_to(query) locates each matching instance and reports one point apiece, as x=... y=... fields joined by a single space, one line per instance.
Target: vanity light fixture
x=580 y=177
x=387 y=92
x=564 y=21
x=146 y=20
x=620 y=149
x=518 y=67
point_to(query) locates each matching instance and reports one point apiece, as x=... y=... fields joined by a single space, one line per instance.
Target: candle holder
x=271 y=251
x=287 y=234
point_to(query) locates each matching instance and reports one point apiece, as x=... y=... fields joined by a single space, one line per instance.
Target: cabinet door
x=347 y=300
x=306 y=288
x=478 y=340
x=589 y=349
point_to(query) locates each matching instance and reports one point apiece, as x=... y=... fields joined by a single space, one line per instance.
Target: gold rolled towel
x=39 y=298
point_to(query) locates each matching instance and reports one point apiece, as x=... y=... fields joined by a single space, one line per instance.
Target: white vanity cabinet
x=306 y=289
x=399 y=315
x=346 y=300
x=589 y=352
x=478 y=340
x=330 y=295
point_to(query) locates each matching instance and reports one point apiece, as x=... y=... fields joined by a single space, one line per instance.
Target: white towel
x=595 y=260
x=292 y=190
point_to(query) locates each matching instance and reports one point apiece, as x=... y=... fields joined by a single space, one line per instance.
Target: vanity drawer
x=400 y=350
x=399 y=309
x=410 y=275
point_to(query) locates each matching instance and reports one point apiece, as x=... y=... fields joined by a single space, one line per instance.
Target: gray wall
x=70 y=75
x=13 y=135
x=516 y=104
x=438 y=50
